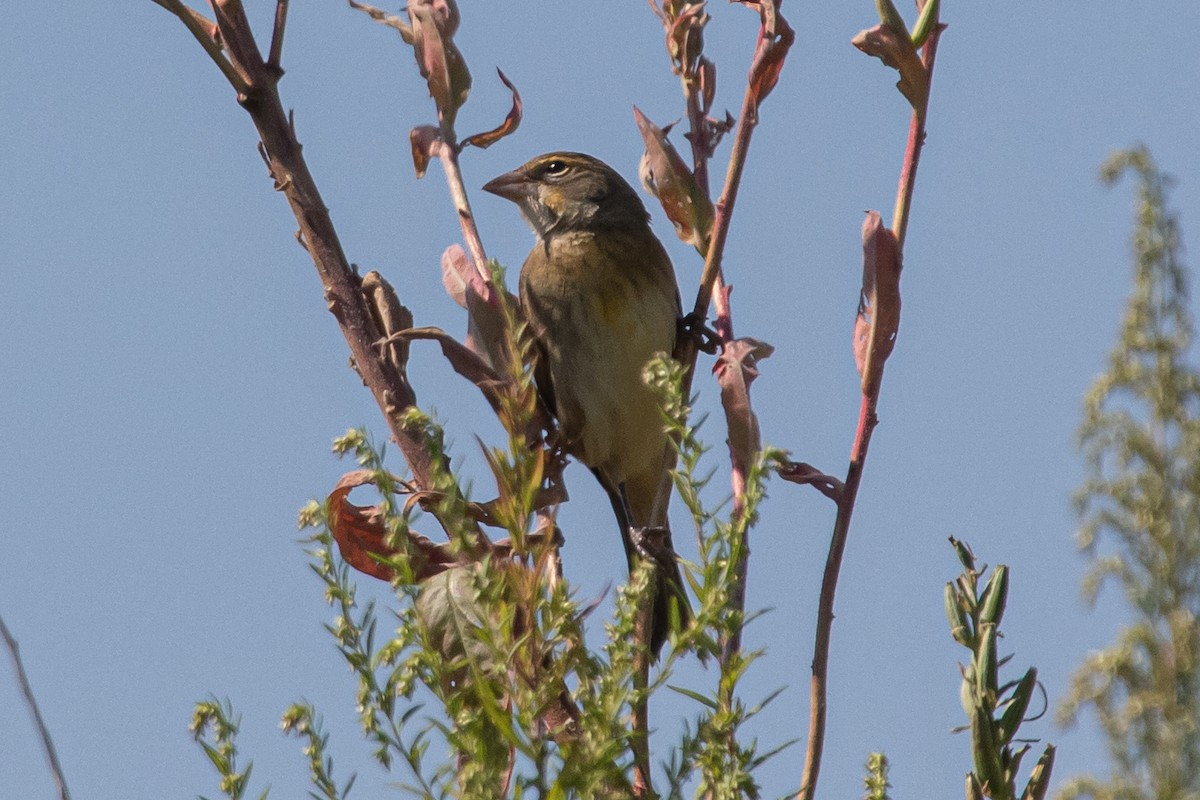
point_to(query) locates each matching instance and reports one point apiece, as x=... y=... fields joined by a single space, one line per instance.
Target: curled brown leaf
x=390 y=316
x=806 y=474
x=423 y=139
x=362 y=538
x=510 y=123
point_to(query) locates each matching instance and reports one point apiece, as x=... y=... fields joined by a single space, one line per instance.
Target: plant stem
x=14 y=652
x=867 y=420
x=916 y=140
x=447 y=152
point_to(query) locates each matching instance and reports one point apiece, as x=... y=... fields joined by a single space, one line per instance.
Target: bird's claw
x=692 y=325
x=654 y=543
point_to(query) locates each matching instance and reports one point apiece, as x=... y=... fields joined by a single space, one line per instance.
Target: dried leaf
x=510 y=123
x=362 y=537
x=667 y=177
x=775 y=38
x=736 y=369
x=439 y=60
x=423 y=139
x=801 y=473
x=706 y=72
x=878 y=318
x=765 y=72
x=685 y=36
x=384 y=18
x=898 y=52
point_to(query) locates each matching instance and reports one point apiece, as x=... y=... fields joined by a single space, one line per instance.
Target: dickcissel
x=599 y=295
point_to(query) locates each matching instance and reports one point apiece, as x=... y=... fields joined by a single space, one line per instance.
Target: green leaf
x=708 y=702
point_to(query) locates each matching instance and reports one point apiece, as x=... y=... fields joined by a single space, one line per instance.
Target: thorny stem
x=867 y=420
x=14 y=652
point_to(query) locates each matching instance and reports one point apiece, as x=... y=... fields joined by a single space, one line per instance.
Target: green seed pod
x=890 y=17
x=995 y=596
x=925 y=23
x=984 y=750
x=965 y=556
x=985 y=661
x=1014 y=715
x=966 y=692
x=960 y=626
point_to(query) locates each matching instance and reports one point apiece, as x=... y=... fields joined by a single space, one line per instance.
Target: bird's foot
x=654 y=543
x=693 y=326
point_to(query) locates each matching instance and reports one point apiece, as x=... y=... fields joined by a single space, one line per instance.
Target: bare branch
x=205 y=30
x=276 y=52
x=14 y=652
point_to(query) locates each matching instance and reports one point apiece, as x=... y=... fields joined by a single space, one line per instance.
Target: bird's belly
x=604 y=406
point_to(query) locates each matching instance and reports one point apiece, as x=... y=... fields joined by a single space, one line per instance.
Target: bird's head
x=561 y=192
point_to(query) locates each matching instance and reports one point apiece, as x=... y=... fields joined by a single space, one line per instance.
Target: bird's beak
x=513 y=186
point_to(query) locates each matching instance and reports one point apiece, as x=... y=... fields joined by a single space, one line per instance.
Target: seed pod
x=1014 y=715
x=960 y=626
x=1039 y=777
x=925 y=23
x=995 y=596
x=985 y=663
x=984 y=751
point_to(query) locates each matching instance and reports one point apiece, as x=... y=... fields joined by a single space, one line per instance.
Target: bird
x=599 y=295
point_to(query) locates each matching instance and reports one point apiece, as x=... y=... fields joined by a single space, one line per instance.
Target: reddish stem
x=867 y=420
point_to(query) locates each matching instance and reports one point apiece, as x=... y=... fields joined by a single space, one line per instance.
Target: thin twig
x=202 y=28
x=276 y=52
x=916 y=140
x=14 y=652
x=447 y=153
x=833 y=565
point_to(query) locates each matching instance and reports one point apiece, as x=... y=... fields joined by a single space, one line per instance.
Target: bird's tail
x=638 y=503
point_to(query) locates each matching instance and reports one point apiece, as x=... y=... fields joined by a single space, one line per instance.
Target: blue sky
x=172 y=380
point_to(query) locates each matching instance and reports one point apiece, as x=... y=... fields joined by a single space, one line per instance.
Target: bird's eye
x=555 y=167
